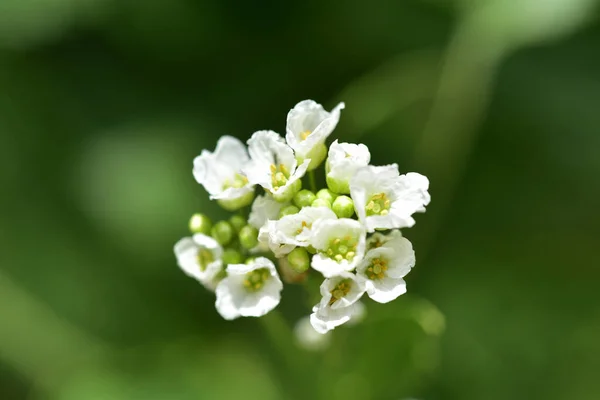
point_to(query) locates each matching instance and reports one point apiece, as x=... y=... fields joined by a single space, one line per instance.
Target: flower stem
x=313 y=184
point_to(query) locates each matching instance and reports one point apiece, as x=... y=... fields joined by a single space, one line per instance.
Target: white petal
x=232 y=152
x=267 y=148
x=227 y=298
x=260 y=303
x=310 y=116
x=263 y=209
x=386 y=289
x=411 y=196
x=403 y=258
x=356 y=290
x=345 y=158
x=326 y=319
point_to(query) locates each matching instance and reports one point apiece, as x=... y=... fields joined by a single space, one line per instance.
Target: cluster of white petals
x=348 y=232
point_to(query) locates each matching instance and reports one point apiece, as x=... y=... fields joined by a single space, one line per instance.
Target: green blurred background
x=104 y=104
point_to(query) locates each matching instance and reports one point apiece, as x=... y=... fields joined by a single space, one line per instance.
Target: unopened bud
x=343 y=207
x=288 y=210
x=304 y=198
x=248 y=237
x=298 y=259
x=232 y=256
x=326 y=194
x=200 y=223
x=237 y=222
x=222 y=232
x=321 y=203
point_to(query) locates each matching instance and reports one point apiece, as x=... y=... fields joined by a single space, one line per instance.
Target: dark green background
x=104 y=104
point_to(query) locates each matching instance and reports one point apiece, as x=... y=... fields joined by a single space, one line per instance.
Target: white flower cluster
x=348 y=232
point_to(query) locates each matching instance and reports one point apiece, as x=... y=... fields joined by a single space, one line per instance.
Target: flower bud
x=222 y=232
x=343 y=207
x=200 y=223
x=232 y=256
x=326 y=194
x=304 y=198
x=288 y=210
x=321 y=203
x=248 y=237
x=298 y=259
x=237 y=222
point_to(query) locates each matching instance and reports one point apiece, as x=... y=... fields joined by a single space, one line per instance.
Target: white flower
x=200 y=257
x=340 y=244
x=308 y=126
x=293 y=230
x=385 y=199
x=378 y=239
x=308 y=338
x=359 y=313
x=249 y=290
x=219 y=173
x=338 y=304
x=273 y=165
x=264 y=208
x=343 y=161
x=384 y=267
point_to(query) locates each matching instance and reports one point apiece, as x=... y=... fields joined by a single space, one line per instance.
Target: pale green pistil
x=204 y=257
x=256 y=279
x=340 y=290
x=279 y=175
x=342 y=249
x=238 y=181
x=378 y=204
x=377 y=269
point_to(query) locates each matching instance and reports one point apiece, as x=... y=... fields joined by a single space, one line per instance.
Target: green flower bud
x=222 y=232
x=316 y=155
x=326 y=194
x=289 y=193
x=248 y=237
x=311 y=250
x=232 y=256
x=298 y=259
x=321 y=203
x=237 y=222
x=200 y=223
x=339 y=186
x=343 y=207
x=304 y=198
x=288 y=210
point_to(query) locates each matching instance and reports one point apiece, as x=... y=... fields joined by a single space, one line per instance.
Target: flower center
x=378 y=204
x=256 y=279
x=238 y=181
x=304 y=225
x=340 y=290
x=342 y=249
x=377 y=269
x=204 y=258
x=304 y=134
x=279 y=175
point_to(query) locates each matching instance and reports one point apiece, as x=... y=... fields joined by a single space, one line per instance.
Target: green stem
x=313 y=184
